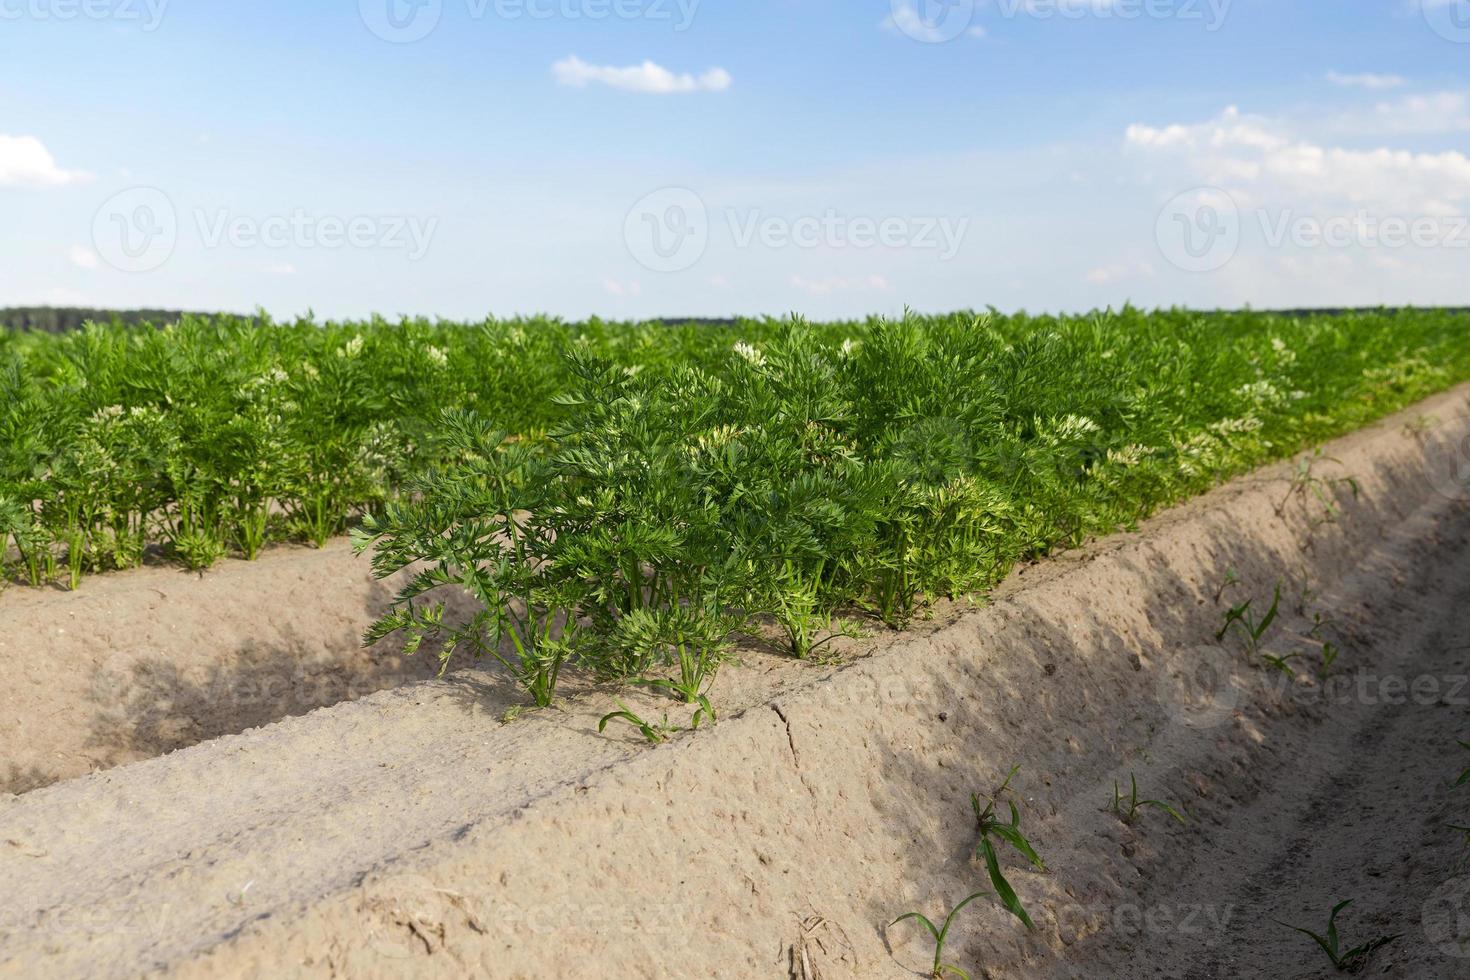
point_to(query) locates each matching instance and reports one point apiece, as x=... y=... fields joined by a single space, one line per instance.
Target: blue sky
x=668 y=157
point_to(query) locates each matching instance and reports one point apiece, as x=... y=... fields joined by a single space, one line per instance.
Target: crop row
x=219 y=436
x=796 y=487
x=870 y=462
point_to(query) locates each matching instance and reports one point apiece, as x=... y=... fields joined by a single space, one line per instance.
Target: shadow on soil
x=149 y=706
x=1059 y=717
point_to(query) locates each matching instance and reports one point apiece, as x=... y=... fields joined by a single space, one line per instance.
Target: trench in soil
x=409 y=834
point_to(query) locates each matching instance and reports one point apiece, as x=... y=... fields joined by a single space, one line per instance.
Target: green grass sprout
x=940 y=934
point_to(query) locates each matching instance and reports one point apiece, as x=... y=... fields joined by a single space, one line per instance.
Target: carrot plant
x=477 y=530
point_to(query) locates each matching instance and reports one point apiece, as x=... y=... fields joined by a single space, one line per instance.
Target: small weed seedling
x=940 y=935
x=992 y=826
x=1329 y=657
x=1464 y=776
x=1230 y=579
x=656 y=733
x=1127 y=810
x=1303 y=600
x=1305 y=481
x=1243 y=618
x=1350 y=960
x=1319 y=623
x=1418 y=427
x=1281 y=663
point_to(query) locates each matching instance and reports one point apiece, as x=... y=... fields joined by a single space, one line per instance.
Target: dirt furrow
x=409 y=833
x=1355 y=806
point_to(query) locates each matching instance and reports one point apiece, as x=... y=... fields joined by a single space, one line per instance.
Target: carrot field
x=628 y=497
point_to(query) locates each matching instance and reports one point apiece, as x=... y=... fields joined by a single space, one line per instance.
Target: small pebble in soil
x=944 y=716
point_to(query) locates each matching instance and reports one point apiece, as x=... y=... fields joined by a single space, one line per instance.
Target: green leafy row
x=868 y=463
x=222 y=435
x=791 y=485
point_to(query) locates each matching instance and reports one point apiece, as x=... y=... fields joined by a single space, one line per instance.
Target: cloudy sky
x=708 y=157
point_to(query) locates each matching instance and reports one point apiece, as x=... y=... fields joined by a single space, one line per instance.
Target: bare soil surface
x=142 y=663
x=410 y=833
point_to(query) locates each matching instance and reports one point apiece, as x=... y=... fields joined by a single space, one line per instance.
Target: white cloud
x=647 y=78
x=82 y=257
x=25 y=162
x=1366 y=80
x=1431 y=114
x=1260 y=159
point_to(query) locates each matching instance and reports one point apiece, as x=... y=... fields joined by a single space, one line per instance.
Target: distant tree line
x=58 y=319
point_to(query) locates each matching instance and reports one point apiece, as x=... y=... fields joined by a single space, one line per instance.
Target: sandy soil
x=138 y=664
x=409 y=834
